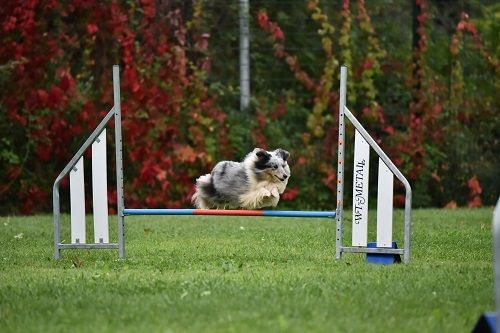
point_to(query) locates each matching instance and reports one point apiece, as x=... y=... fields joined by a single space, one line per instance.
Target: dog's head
x=273 y=163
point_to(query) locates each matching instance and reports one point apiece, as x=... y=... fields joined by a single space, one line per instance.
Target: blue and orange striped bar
x=228 y=212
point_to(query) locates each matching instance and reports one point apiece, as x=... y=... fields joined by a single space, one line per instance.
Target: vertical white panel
x=100 y=189
x=77 y=201
x=360 y=191
x=384 y=205
x=496 y=258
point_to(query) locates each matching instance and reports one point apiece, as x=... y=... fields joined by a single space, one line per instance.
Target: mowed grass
x=239 y=274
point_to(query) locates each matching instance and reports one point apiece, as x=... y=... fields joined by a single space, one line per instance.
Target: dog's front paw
x=275 y=192
x=265 y=192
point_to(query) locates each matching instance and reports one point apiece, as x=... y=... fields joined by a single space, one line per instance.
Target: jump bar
x=228 y=212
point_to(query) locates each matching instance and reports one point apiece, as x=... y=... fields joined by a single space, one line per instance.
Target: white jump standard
x=363 y=141
x=75 y=168
x=384 y=246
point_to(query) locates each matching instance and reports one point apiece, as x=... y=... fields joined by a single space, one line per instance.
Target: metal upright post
x=340 y=165
x=57 y=221
x=407 y=227
x=119 y=161
x=244 y=55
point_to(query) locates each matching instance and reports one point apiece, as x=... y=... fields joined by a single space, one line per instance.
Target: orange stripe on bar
x=239 y=212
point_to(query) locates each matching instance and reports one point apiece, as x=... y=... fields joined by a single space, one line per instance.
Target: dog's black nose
x=285 y=177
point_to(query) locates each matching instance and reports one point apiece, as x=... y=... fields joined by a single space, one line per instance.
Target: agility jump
x=384 y=247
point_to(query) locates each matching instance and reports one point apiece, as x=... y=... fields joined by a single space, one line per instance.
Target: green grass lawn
x=238 y=274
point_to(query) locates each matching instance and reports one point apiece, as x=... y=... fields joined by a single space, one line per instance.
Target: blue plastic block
x=487 y=323
x=382 y=258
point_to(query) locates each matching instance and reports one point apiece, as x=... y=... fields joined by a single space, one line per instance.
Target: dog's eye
x=275 y=167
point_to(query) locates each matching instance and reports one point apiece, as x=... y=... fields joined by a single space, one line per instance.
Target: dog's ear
x=263 y=158
x=283 y=154
x=261 y=153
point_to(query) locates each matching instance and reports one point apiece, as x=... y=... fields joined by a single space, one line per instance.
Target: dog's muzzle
x=282 y=179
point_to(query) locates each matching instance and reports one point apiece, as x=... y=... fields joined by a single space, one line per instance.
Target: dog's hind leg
x=202 y=204
x=204 y=187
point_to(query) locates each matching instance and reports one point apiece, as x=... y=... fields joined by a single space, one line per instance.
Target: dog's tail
x=204 y=189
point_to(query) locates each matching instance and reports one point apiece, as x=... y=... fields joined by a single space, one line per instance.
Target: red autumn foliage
x=290 y=194
x=55 y=74
x=416 y=143
x=62 y=88
x=475 y=191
